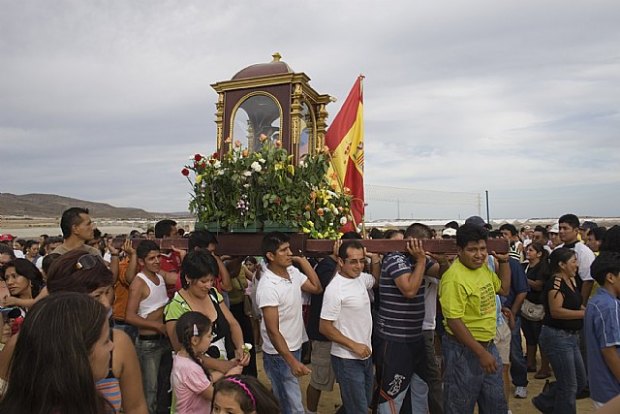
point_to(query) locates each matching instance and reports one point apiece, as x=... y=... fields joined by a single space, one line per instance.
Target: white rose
x=217 y=164
x=256 y=166
x=343 y=221
x=247 y=173
x=261 y=160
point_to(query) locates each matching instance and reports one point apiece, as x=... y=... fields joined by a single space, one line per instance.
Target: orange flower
x=245 y=153
x=312 y=195
x=278 y=143
x=320 y=212
x=262 y=138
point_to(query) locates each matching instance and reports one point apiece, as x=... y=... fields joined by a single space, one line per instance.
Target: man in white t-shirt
x=278 y=296
x=347 y=322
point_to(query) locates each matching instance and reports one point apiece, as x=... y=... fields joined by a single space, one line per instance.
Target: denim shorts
x=322 y=377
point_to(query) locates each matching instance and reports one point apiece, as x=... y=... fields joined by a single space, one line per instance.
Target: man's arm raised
x=313 y=284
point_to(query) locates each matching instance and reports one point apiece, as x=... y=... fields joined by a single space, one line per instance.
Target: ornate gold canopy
x=271 y=99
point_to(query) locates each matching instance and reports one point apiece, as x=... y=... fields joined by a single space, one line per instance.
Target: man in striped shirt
x=401 y=352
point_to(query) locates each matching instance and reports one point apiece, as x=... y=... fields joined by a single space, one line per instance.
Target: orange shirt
x=121 y=291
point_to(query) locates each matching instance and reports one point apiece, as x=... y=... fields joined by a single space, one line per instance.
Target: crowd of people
x=92 y=326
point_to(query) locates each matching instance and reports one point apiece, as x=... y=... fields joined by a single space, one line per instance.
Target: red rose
x=216 y=155
x=197 y=157
x=185 y=172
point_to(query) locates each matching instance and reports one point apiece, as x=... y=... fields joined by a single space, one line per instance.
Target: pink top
x=188 y=382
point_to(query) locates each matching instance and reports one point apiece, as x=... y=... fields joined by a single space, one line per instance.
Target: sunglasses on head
x=88 y=261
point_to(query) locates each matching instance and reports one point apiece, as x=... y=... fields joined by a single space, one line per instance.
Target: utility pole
x=486 y=194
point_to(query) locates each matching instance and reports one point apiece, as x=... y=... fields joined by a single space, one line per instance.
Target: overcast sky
x=105 y=101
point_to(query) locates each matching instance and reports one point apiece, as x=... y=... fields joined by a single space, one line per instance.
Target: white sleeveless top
x=157 y=298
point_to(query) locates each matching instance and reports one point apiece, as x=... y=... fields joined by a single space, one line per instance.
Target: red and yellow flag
x=345 y=139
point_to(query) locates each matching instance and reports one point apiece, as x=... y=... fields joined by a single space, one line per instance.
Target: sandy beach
x=33 y=227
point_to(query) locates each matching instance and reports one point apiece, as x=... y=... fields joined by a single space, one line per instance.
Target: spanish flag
x=345 y=139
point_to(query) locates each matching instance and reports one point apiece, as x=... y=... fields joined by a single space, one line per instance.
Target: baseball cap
x=6 y=237
x=555 y=228
x=476 y=221
x=588 y=225
x=448 y=232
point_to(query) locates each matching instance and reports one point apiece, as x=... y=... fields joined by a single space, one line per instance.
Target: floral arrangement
x=243 y=188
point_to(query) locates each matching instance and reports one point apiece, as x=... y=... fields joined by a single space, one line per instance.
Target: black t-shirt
x=572 y=300
x=325 y=271
x=535 y=273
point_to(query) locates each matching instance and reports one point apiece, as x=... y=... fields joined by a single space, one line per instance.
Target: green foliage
x=244 y=187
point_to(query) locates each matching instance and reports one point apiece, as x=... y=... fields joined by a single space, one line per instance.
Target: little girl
x=243 y=394
x=190 y=381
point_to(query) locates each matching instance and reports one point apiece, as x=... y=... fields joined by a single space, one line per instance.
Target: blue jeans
x=284 y=384
x=419 y=395
x=562 y=349
x=518 y=365
x=150 y=352
x=356 y=380
x=130 y=330
x=465 y=383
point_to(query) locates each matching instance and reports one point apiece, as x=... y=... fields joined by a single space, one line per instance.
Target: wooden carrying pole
x=249 y=244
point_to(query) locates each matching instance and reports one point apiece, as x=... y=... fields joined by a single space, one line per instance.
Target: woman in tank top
x=559 y=337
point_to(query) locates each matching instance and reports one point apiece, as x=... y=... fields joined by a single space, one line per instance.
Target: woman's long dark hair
x=50 y=370
x=196 y=265
x=65 y=275
x=542 y=267
x=561 y=255
x=27 y=269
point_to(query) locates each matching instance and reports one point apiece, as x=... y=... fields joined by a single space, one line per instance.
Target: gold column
x=219 y=119
x=296 y=118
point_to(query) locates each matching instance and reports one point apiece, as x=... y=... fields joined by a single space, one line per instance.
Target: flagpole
x=361 y=78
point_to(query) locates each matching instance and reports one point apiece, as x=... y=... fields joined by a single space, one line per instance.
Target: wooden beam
x=249 y=244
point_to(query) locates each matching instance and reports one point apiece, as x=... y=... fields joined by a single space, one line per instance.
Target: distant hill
x=51 y=205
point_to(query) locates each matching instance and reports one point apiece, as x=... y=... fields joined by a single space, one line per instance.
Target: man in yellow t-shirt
x=467 y=295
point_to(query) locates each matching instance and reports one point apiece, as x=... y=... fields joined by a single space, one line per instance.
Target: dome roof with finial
x=275 y=67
